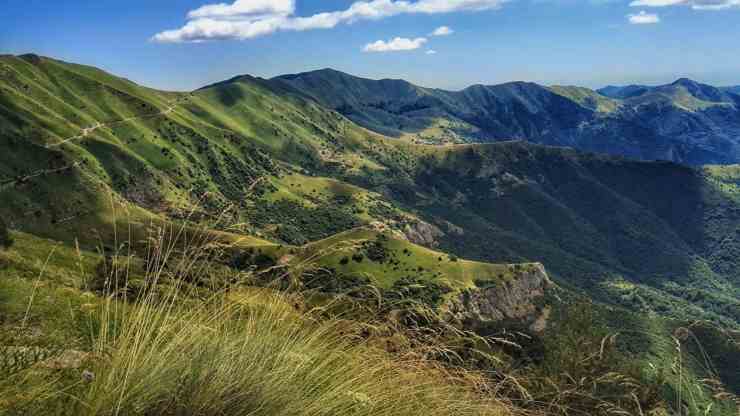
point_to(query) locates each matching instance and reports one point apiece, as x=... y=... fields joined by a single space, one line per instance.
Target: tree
x=5 y=239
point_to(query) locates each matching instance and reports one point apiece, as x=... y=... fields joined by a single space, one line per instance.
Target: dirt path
x=88 y=130
x=12 y=182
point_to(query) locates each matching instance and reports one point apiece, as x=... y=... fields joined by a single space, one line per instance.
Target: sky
x=185 y=44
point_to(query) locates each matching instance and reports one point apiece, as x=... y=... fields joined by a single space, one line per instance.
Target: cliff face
x=519 y=300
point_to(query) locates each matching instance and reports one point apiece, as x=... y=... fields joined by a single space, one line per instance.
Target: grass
x=253 y=354
x=236 y=352
x=404 y=259
x=587 y=98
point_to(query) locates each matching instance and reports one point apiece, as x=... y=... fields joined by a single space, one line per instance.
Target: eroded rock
x=520 y=299
x=423 y=233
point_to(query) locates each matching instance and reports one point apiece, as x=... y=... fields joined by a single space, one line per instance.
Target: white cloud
x=395 y=45
x=694 y=4
x=245 y=8
x=431 y=52
x=247 y=19
x=442 y=31
x=643 y=18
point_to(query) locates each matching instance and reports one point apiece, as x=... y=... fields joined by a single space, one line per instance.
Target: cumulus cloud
x=694 y=4
x=643 y=18
x=247 y=19
x=442 y=31
x=245 y=8
x=395 y=45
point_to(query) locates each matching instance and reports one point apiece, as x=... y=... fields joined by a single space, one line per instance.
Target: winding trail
x=11 y=182
x=4 y=184
x=89 y=130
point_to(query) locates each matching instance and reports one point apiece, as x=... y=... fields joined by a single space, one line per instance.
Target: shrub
x=376 y=251
x=5 y=239
x=583 y=370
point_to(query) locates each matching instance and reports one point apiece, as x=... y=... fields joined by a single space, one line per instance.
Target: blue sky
x=582 y=42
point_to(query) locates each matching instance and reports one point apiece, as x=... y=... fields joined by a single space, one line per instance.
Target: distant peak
x=322 y=71
x=685 y=82
x=325 y=71
x=239 y=78
x=518 y=84
x=31 y=57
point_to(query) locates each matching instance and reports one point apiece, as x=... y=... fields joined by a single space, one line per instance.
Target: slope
x=79 y=144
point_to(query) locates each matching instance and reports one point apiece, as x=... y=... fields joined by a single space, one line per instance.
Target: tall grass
x=179 y=346
x=238 y=351
x=253 y=354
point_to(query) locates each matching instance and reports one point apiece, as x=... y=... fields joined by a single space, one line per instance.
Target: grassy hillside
x=385 y=260
x=258 y=155
x=53 y=331
x=587 y=98
x=87 y=158
x=69 y=349
x=170 y=155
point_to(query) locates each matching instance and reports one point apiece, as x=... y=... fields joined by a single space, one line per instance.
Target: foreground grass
x=245 y=351
x=244 y=354
x=175 y=347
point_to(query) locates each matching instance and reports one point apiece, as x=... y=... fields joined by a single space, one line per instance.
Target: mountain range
x=685 y=122
x=279 y=159
x=503 y=176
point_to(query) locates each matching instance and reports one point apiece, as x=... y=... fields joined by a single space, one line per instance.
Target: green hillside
x=587 y=98
x=386 y=259
x=89 y=161
x=173 y=155
x=260 y=155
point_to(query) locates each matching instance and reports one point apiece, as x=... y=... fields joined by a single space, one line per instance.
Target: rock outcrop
x=423 y=233
x=519 y=300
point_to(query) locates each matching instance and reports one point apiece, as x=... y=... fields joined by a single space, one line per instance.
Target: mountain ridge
x=685 y=121
x=283 y=162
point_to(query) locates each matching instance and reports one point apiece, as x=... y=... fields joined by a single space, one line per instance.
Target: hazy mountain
x=685 y=121
x=622 y=92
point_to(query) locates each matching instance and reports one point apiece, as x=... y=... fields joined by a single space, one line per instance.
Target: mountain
x=684 y=122
x=275 y=160
x=734 y=90
x=481 y=113
x=695 y=90
x=288 y=170
x=617 y=92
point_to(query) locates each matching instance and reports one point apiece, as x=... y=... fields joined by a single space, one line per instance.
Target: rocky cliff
x=519 y=300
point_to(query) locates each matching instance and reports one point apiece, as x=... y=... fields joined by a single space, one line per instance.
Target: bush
x=5 y=239
x=583 y=369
